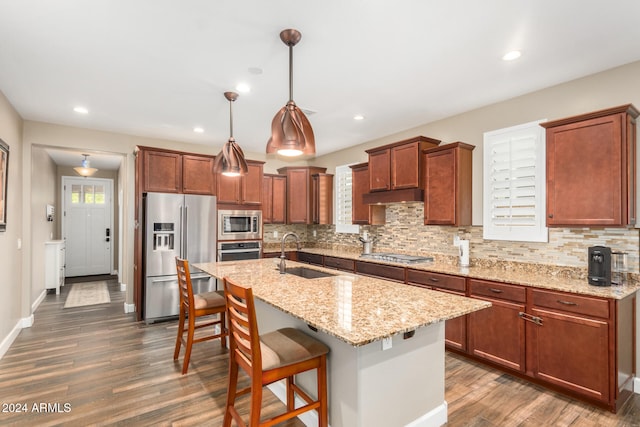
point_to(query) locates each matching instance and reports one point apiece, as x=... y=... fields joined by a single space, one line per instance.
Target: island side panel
x=369 y=387
x=404 y=385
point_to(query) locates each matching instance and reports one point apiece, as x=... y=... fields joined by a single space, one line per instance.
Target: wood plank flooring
x=96 y=365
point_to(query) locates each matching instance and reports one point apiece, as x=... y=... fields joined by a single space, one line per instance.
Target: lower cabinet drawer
x=436 y=280
x=502 y=291
x=339 y=263
x=379 y=270
x=571 y=303
x=311 y=258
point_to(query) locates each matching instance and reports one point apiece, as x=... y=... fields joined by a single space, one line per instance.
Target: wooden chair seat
x=193 y=306
x=274 y=356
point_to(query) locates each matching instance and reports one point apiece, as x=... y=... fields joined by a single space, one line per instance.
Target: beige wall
x=14 y=296
x=599 y=91
x=43 y=192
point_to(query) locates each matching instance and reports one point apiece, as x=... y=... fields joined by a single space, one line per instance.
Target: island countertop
x=355 y=309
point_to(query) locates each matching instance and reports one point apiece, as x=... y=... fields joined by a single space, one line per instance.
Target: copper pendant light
x=291 y=132
x=230 y=161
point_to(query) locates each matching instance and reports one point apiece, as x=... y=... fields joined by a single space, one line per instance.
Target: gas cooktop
x=400 y=258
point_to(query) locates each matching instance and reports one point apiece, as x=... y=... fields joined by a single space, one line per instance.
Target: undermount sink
x=307 y=273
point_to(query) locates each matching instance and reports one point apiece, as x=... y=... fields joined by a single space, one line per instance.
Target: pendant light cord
x=230 y=119
x=290 y=72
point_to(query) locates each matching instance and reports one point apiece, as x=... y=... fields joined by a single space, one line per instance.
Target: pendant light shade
x=230 y=161
x=291 y=132
x=86 y=169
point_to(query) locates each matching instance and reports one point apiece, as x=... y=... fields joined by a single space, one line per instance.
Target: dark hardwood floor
x=95 y=365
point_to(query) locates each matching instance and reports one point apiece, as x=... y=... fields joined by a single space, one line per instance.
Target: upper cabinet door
x=379 y=174
x=162 y=172
x=591 y=169
x=447 y=176
x=197 y=175
x=405 y=161
x=252 y=184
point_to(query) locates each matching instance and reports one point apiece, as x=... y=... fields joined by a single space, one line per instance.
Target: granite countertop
x=538 y=276
x=355 y=309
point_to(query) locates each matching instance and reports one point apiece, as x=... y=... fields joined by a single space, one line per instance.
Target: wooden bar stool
x=193 y=306
x=269 y=358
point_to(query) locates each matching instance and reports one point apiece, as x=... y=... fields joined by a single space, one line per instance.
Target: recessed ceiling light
x=358 y=117
x=243 y=88
x=510 y=56
x=198 y=130
x=81 y=110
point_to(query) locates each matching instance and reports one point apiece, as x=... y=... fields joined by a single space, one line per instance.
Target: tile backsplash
x=405 y=232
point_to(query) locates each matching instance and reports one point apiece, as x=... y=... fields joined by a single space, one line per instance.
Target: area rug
x=88 y=293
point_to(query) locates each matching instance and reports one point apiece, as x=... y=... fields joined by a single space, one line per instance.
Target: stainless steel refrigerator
x=176 y=225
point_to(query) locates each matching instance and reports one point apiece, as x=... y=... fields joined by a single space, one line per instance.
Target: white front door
x=87 y=225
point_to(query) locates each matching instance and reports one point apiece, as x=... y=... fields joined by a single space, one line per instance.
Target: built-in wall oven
x=239 y=224
x=234 y=251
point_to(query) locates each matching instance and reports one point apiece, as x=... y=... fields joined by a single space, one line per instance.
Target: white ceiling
x=158 y=68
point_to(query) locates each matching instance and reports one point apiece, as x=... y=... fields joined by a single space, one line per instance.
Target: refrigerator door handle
x=185 y=239
x=180 y=237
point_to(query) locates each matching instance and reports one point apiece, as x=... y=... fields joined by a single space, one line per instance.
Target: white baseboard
x=26 y=322
x=636 y=385
x=38 y=300
x=434 y=418
x=123 y=287
x=129 y=308
x=9 y=339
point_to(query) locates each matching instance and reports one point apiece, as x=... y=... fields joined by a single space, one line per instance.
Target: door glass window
x=99 y=196
x=76 y=194
x=88 y=194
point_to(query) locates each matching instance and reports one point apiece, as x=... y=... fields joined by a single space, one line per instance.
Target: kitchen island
x=386 y=365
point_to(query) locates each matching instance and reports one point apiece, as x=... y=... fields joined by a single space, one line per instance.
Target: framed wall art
x=4 y=175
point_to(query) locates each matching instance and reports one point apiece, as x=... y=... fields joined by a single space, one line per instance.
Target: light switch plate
x=456 y=240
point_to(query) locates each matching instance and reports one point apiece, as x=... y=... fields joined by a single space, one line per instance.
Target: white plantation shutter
x=514 y=184
x=343 y=182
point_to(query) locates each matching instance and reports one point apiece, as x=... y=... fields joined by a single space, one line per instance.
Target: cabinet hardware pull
x=433 y=279
x=567 y=302
x=550 y=215
x=496 y=291
x=529 y=318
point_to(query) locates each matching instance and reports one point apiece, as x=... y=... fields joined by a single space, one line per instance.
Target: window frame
x=511 y=229
x=343 y=227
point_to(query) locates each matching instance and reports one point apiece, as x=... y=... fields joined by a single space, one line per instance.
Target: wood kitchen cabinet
x=390 y=272
x=301 y=197
x=497 y=334
x=447 y=184
x=363 y=213
x=322 y=198
x=315 y=259
x=397 y=166
x=241 y=190
x=455 y=331
x=582 y=344
x=169 y=171
x=274 y=199
x=591 y=168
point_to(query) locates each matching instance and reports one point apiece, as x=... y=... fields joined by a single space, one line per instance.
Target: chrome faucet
x=283 y=266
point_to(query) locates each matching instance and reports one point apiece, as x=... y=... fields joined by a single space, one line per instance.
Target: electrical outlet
x=456 y=240
x=275 y=234
x=387 y=343
x=315 y=233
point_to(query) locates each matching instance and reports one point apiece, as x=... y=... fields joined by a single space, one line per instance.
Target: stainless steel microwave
x=239 y=225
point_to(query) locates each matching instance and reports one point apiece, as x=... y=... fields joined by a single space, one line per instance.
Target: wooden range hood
x=394 y=196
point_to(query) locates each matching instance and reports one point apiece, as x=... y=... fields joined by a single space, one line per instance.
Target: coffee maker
x=599 y=265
